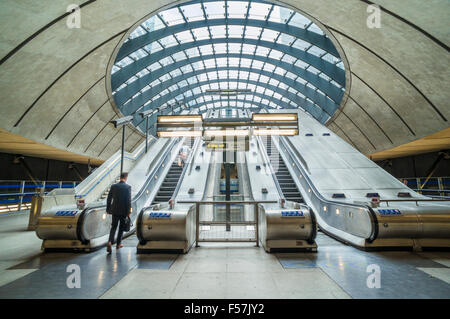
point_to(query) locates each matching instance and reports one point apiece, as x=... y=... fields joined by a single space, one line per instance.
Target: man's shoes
x=109 y=248
x=119 y=246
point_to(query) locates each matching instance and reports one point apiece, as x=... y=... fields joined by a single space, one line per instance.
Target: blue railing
x=17 y=195
x=433 y=186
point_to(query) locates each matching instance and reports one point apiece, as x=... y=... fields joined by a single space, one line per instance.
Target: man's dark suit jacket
x=119 y=199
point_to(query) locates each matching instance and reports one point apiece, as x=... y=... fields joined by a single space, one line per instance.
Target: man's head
x=124 y=177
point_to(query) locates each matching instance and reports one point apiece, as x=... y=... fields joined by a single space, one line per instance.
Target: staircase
x=169 y=184
x=287 y=184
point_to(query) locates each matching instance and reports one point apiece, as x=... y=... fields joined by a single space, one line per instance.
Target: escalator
x=169 y=184
x=287 y=184
x=172 y=178
x=69 y=227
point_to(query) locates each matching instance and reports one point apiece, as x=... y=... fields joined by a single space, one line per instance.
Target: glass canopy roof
x=272 y=56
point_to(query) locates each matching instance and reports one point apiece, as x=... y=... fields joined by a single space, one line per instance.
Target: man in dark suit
x=118 y=205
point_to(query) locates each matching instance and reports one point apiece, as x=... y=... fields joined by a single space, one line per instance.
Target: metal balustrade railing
x=438 y=187
x=17 y=195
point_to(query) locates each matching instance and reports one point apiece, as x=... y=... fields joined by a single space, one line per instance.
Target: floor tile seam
x=130 y=269
x=337 y=284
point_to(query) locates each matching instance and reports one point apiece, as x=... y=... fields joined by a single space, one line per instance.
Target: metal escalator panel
x=169 y=184
x=287 y=184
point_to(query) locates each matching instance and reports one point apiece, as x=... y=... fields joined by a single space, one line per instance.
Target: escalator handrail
x=265 y=157
x=96 y=205
x=287 y=143
x=92 y=182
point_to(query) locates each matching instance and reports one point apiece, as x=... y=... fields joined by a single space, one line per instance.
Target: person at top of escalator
x=118 y=205
x=183 y=155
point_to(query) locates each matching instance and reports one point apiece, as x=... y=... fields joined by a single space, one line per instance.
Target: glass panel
x=280 y=71
x=237 y=9
x=186 y=68
x=114 y=69
x=137 y=33
x=252 y=32
x=246 y=63
x=248 y=48
x=288 y=59
x=324 y=76
x=179 y=56
x=301 y=64
x=313 y=70
x=235 y=31
x=301 y=45
x=330 y=58
x=215 y=10
x=220 y=48
x=124 y=62
x=184 y=36
x=233 y=62
x=259 y=11
x=193 y=12
x=218 y=31
x=192 y=52
x=316 y=51
x=168 y=42
x=269 y=35
x=257 y=64
x=262 y=51
x=316 y=29
x=153 y=47
x=286 y=39
x=201 y=33
x=142 y=73
x=299 y=21
x=166 y=61
x=280 y=14
x=206 y=49
x=172 y=16
x=136 y=55
x=153 y=24
x=264 y=79
x=269 y=67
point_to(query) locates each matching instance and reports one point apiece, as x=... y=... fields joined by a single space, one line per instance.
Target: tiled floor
x=235 y=271
x=216 y=271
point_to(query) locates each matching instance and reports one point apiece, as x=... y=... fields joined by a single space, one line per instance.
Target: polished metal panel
x=289 y=228
x=52 y=226
x=165 y=229
x=96 y=223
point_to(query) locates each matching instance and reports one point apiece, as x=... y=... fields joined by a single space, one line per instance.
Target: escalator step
x=169 y=185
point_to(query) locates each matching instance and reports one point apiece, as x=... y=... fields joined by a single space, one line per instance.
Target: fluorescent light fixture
x=275 y=117
x=277 y=131
x=226 y=133
x=180 y=134
x=179 y=118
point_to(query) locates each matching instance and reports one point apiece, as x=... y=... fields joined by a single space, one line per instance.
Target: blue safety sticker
x=389 y=211
x=159 y=215
x=66 y=213
x=294 y=213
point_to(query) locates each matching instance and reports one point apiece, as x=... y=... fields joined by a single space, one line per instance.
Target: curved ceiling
x=54 y=80
x=277 y=55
